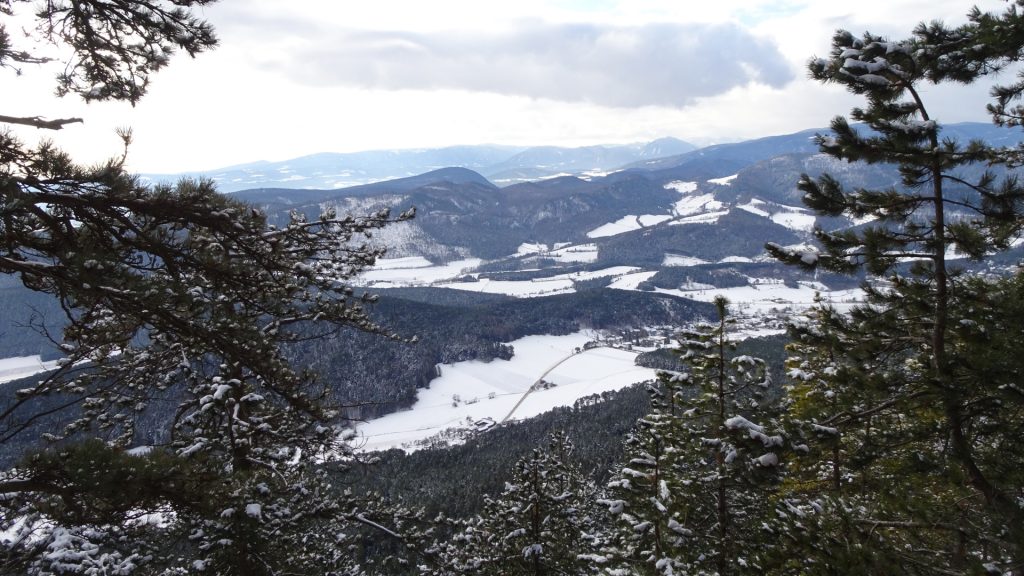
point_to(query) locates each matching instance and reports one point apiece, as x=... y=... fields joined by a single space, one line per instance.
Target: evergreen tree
x=648 y=533
x=694 y=493
x=181 y=300
x=914 y=407
x=536 y=525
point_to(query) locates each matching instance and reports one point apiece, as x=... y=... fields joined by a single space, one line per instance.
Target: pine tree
x=648 y=533
x=914 y=408
x=177 y=299
x=536 y=525
x=692 y=498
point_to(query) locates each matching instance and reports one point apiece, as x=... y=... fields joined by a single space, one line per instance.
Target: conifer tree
x=648 y=534
x=911 y=400
x=701 y=469
x=177 y=299
x=536 y=525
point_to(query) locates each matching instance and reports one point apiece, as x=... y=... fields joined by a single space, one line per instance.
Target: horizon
x=520 y=147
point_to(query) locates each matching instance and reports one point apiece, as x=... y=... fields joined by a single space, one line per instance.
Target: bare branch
x=39 y=122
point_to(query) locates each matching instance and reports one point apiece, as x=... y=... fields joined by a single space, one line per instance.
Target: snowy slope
x=23 y=367
x=472 y=394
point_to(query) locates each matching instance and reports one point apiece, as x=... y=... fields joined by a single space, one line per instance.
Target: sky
x=307 y=76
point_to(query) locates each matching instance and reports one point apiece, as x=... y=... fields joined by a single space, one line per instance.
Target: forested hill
x=374 y=375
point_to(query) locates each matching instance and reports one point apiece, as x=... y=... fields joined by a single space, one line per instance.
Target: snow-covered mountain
x=503 y=165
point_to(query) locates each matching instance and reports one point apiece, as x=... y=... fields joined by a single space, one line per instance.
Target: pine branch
x=39 y=122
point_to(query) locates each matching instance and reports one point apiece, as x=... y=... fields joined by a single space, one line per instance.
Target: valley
x=671 y=230
x=526 y=309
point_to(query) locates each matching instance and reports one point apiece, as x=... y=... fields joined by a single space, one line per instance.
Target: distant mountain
x=731 y=156
x=706 y=205
x=734 y=155
x=548 y=161
x=503 y=165
x=329 y=171
x=291 y=197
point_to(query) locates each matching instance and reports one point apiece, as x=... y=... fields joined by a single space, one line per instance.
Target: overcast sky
x=305 y=76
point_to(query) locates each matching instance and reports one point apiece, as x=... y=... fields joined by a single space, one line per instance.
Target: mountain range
x=483 y=264
x=708 y=204
x=502 y=165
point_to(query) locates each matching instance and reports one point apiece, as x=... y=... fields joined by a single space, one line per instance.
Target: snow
x=527 y=248
x=631 y=281
x=547 y=286
x=625 y=224
x=795 y=220
x=690 y=209
x=682 y=187
x=739 y=422
x=725 y=181
x=792 y=217
x=699 y=204
x=254 y=510
x=517 y=288
x=628 y=223
x=754 y=208
x=579 y=253
x=682 y=260
x=706 y=218
x=603 y=273
x=729 y=259
x=467 y=393
x=652 y=219
x=411 y=272
x=23 y=367
x=747 y=333
x=767 y=297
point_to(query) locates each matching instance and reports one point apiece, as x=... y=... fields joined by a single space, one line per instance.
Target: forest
x=883 y=440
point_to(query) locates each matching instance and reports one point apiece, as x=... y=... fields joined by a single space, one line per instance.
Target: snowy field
x=414 y=271
x=692 y=208
x=23 y=367
x=772 y=296
x=792 y=217
x=470 y=392
x=578 y=253
x=726 y=181
x=625 y=224
x=518 y=288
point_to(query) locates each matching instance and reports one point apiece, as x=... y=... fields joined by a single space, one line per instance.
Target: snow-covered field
x=625 y=224
x=578 y=253
x=692 y=208
x=682 y=260
x=517 y=288
x=23 y=367
x=725 y=181
x=631 y=281
x=771 y=296
x=391 y=272
x=467 y=393
x=792 y=217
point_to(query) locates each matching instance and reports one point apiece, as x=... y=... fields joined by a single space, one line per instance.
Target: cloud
x=654 y=64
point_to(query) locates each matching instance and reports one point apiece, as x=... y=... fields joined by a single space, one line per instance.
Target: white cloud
x=655 y=64
x=305 y=76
